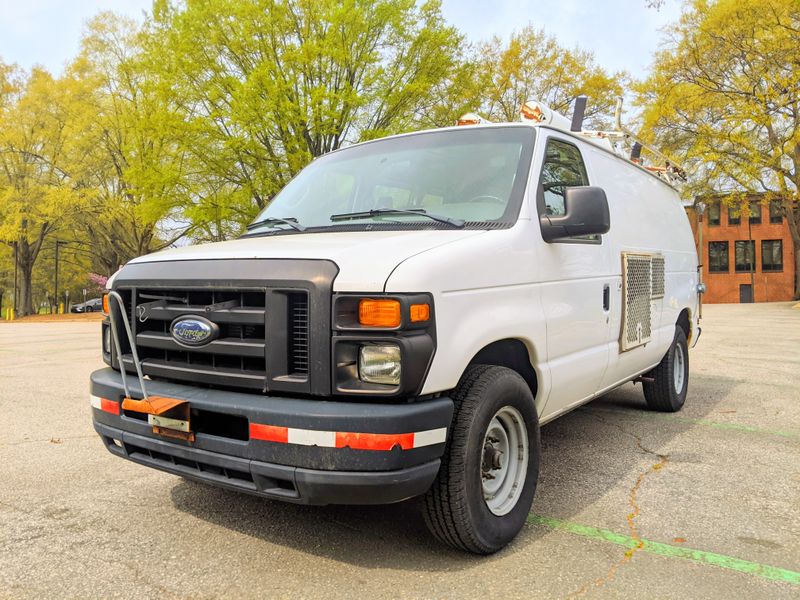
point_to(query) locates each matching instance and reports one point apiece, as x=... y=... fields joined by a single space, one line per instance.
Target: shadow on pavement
x=585 y=454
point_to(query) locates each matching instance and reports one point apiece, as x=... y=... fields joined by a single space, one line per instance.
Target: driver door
x=576 y=274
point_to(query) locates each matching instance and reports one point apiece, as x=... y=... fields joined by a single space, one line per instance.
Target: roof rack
x=621 y=141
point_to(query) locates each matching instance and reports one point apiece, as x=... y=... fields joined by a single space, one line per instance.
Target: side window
x=563 y=167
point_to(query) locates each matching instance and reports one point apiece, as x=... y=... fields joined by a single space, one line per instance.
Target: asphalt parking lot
x=705 y=503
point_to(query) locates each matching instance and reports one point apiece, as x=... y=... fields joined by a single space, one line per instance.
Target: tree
x=124 y=147
x=533 y=66
x=36 y=192
x=725 y=98
x=264 y=86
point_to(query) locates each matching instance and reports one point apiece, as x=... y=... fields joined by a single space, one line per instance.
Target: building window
x=717 y=257
x=713 y=214
x=775 y=212
x=755 y=213
x=734 y=215
x=772 y=255
x=745 y=256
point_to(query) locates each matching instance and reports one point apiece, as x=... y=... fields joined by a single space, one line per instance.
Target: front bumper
x=300 y=466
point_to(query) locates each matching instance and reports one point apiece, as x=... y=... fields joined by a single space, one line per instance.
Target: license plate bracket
x=169 y=417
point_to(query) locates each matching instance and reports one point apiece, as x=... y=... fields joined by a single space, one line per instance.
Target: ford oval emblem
x=193 y=331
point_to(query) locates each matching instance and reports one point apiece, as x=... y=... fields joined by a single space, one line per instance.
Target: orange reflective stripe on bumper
x=104 y=404
x=347 y=439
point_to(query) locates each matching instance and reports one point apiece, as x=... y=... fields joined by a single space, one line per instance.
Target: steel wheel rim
x=504 y=460
x=678 y=369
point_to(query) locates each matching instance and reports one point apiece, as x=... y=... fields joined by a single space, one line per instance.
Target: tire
x=667 y=391
x=88 y=309
x=455 y=509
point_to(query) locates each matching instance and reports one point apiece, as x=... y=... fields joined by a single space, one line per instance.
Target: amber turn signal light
x=379 y=313
x=105 y=303
x=420 y=312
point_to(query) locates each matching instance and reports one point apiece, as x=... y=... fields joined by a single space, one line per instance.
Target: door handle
x=606 y=298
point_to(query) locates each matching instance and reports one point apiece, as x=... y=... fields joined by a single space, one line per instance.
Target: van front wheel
x=670 y=379
x=487 y=480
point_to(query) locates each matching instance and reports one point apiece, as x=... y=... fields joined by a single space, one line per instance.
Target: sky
x=623 y=34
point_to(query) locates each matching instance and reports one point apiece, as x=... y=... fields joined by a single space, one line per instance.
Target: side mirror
x=586 y=214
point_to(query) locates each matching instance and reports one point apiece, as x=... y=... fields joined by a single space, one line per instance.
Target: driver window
x=563 y=167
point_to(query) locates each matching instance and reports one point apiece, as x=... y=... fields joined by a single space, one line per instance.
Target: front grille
x=238 y=357
x=273 y=315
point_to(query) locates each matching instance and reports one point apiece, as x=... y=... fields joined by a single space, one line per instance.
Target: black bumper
x=297 y=473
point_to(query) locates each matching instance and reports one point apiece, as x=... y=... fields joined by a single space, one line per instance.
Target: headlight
x=379 y=363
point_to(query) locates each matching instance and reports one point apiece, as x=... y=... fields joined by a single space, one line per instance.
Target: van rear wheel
x=667 y=391
x=485 y=486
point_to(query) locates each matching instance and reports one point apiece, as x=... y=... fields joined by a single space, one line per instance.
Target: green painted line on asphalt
x=703 y=422
x=700 y=556
x=734 y=426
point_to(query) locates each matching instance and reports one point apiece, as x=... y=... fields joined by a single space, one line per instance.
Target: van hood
x=365 y=258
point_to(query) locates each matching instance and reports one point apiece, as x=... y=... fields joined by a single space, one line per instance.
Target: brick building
x=745 y=258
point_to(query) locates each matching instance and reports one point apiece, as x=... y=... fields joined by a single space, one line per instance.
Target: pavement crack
x=633 y=512
x=636 y=438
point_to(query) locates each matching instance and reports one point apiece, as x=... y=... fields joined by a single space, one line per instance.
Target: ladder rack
x=621 y=141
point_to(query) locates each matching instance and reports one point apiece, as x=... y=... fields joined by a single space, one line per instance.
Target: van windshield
x=473 y=177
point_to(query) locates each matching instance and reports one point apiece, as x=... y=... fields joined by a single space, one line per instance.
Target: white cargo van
x=402 y=319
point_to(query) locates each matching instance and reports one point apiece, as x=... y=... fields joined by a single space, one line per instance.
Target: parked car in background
x=93 y=305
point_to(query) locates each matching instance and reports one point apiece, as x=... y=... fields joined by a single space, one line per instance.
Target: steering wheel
x=485 y=197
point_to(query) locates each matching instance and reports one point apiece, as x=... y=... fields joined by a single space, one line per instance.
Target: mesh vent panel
x=637 y=317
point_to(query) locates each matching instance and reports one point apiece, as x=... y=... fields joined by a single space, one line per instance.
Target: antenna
x=577 y=114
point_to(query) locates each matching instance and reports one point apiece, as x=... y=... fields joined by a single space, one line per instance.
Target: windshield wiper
x=290 y=221
x=376 y=212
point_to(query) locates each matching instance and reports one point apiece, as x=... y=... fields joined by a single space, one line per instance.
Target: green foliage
x=125 y=143
x=37 y=191
x=262 y=87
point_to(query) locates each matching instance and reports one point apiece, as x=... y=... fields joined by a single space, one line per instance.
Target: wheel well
x=512 y=354
x=684 y=323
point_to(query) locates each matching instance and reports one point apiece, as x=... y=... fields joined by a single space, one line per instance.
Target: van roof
x=516 y=124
